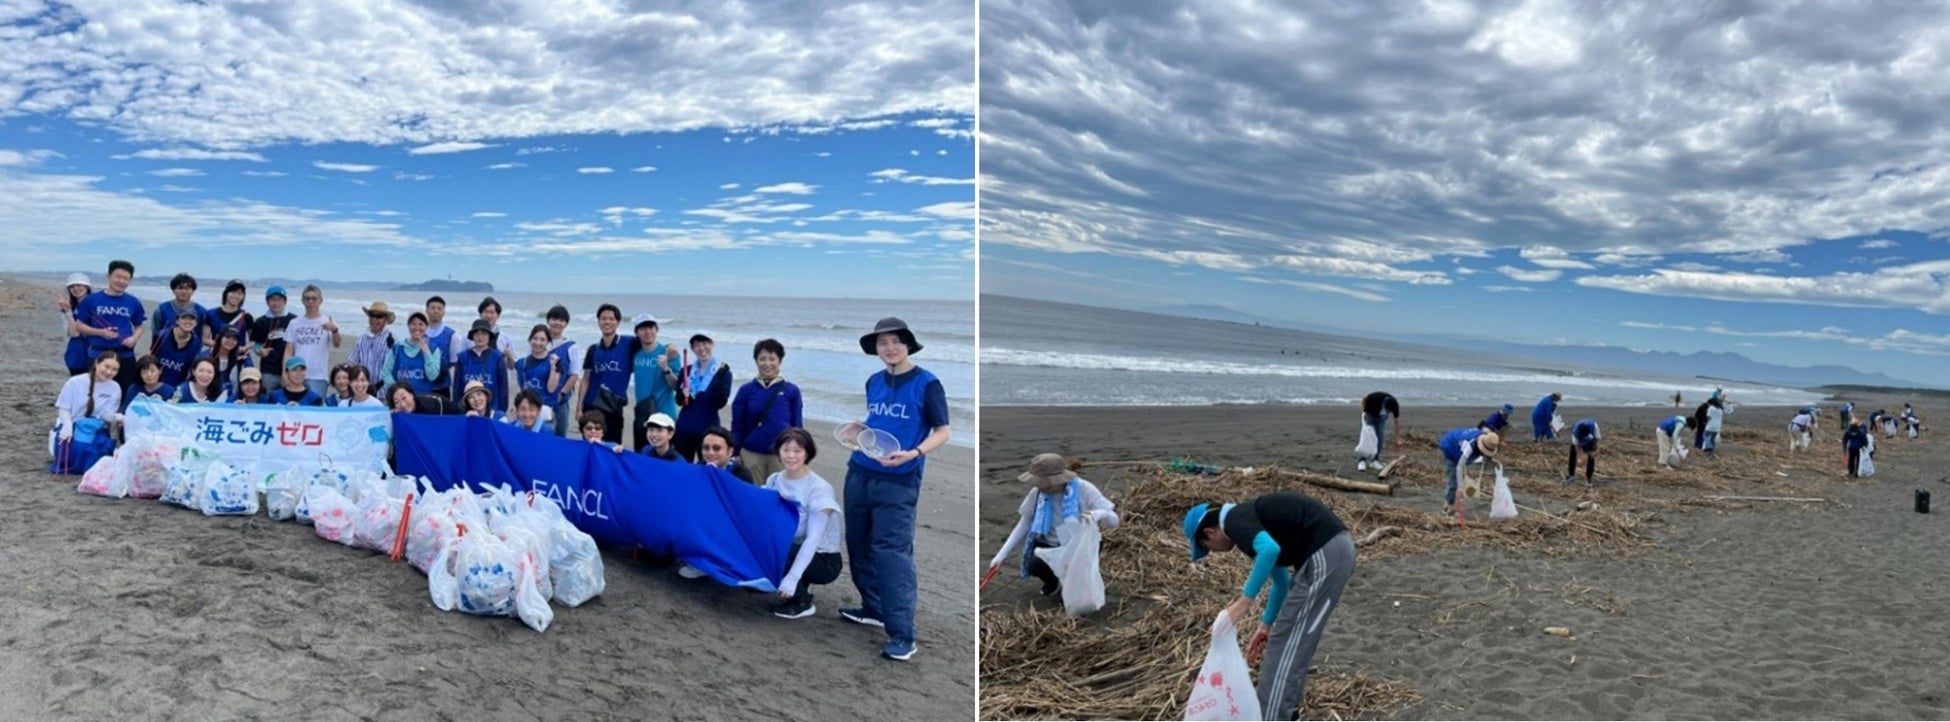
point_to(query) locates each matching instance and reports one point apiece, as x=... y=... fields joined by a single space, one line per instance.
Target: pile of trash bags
x=502 y=553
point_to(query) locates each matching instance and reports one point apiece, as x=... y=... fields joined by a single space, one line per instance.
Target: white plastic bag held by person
x=1224 y=689
x=1370 y=443
x=1075 y=564
x=1502 y=504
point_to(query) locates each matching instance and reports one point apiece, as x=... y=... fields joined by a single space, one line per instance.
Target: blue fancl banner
x=737 y=533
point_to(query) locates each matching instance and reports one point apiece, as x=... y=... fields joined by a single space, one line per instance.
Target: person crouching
x=1056 y=495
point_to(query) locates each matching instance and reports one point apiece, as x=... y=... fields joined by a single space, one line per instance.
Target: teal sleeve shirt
x=1266 y=565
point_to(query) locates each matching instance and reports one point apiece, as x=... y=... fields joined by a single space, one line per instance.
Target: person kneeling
x=1057 y=495
x=815 y=551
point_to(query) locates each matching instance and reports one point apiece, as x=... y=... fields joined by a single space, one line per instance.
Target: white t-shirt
x=108 y=398
x=371 y=402
x=814 y=495
x=310 y=341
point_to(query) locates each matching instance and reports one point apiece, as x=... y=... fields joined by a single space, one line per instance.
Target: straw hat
x=1488 y=443
x=472 y=386
x=378 y=308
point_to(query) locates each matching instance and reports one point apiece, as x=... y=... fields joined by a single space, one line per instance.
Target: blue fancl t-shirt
x=123 y=313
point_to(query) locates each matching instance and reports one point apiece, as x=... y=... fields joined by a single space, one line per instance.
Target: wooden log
x=1389 y=468
x=1767 y=498
x=1335 y=482
x=1377 y=535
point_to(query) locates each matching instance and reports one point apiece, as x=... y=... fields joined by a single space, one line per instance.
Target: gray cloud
x=1228 y=134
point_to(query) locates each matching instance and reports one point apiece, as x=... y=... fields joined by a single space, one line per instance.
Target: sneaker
x=1572 y=480
x=862 y=616
x=1361 y=465
x=689 y=572
x=793 y=610
x=898 y=650
x=1051 y=588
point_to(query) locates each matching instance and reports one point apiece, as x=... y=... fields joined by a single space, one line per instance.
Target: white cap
x=79 y=279
x=660 y=419
x=643 y=318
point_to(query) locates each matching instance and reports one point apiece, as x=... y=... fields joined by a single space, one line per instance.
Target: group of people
x=186 y=353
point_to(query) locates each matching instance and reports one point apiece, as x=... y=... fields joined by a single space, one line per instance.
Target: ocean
x=821 y=336
x=1037 y=353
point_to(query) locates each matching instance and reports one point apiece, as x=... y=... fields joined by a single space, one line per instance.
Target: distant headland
x=440 y=285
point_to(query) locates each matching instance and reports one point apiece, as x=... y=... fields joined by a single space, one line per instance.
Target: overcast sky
x=1681 y=176
x=754 y=148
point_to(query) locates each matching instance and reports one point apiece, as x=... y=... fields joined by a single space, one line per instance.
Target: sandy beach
x=1727 y=608
x=123 y=609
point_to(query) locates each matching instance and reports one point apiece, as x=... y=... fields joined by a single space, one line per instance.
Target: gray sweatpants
x=1296 y=632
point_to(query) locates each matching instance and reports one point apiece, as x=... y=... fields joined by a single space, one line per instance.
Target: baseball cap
x=1192 y=520
x=275 y=291
x=294 y=362
x=660 y=419
x=250 y=375
x=641 y=319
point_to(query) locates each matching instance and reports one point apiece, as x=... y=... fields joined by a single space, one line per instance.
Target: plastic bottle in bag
x=1502 y=504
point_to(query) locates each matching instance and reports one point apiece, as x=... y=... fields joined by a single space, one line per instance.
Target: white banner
x=271 y=438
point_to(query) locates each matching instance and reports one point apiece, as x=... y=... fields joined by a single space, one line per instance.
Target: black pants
x=612 y=427
x=1039 y=569
x=1854 y=461
x=128 y=376
x=824 y=569
x=687 y=445
x=1590 y=462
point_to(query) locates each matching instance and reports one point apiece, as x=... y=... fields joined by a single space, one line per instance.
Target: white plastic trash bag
x=1370 y=443
x=187 y=477
x=1075 y=564
x=1224 y=690
x=332 y=515
x=228 y=491
x=283 y=493
x=1557 y=423
x=1502 y=504
x=108 y=477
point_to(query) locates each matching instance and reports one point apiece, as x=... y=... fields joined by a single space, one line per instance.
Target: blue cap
x=275 y=291
x=1508 y=408
x=1192 y=519
x=294 y=363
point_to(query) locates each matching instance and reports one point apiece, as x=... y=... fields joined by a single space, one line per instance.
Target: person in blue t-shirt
x=1460 y=448
x=654 y=377
x=75 y=357
x=606 y=367
x=182 y=287
x=1498 y=420
x=151 y=384
x=113 y=320
x=1541 y=415
x=908 y=403
x=177 y=347
x=1584 y=437
x=764 y=408
x=482 y=363
x=295 y=392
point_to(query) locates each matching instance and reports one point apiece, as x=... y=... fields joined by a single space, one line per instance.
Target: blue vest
x=77 y=353
x=897 y=411
x=175 y=361
x=485 y=368
x=444 y=343
x=1451 y=443
x=609 y=368
x=412 y=370
x=165 y=320
x=532 y=373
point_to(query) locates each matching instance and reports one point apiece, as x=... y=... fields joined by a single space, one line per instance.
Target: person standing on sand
x=309 y=335
x=376 y=343
x=268 y=344
x=1854 y=441
x=706 y=391
x=481 y=364
x=1498 y=420
x=176 y=349
x=181 y=288
x=1057 y=496
x=1281 y=531
x=1376 y=408
x=1670 y=433
x=909 y=403
x=1716 y=415
x=654 y=376
x=230 y=314
x=606 y=374
x=562 y=347
x=1699 y=424
x=440 y=338
x=416 y=363
x=112 y=319
x=75 y=356
x=764 y=408
x=1460 y=448
x=1848 y=414
x=1584 y=437
x=1541 y=415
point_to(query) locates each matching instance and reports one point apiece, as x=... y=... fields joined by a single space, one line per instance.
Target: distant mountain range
x=1702 y=364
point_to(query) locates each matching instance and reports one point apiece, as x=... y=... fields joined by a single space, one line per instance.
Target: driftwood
x=1389 y=468
x=1377 y=535
x=1335 y=482
x=1767 y=498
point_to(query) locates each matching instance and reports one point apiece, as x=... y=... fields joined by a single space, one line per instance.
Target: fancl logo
x=609 y=367
x=122 y=311
x=587 y=502
x=897 y=411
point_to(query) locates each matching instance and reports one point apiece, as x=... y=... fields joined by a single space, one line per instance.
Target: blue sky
x=752 y=149
x=1676 y=177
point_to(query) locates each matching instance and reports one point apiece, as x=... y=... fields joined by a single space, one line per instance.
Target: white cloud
x=1529 y=276
x=824 y=154
x=266 y=173
x=934 y=123
x=177 y=189
x=191 y=154
x=644 y=169
x=175 y=172
x=413 y=73
x=345 y=167
x=22 y=158
x=615 y=214
x=898 y=175
x=793 y=188
x=506 y=166
x=728 y=186
x=1508 y=289
x=532 y=150
x=1768 y=255
x=489 y=214
x=450 y=147
x=595 y=170
x=1918 y=286
x=1318 y=287
x=405 y=176
x=560 y=228
x=1879 y=243
x=959 y=210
